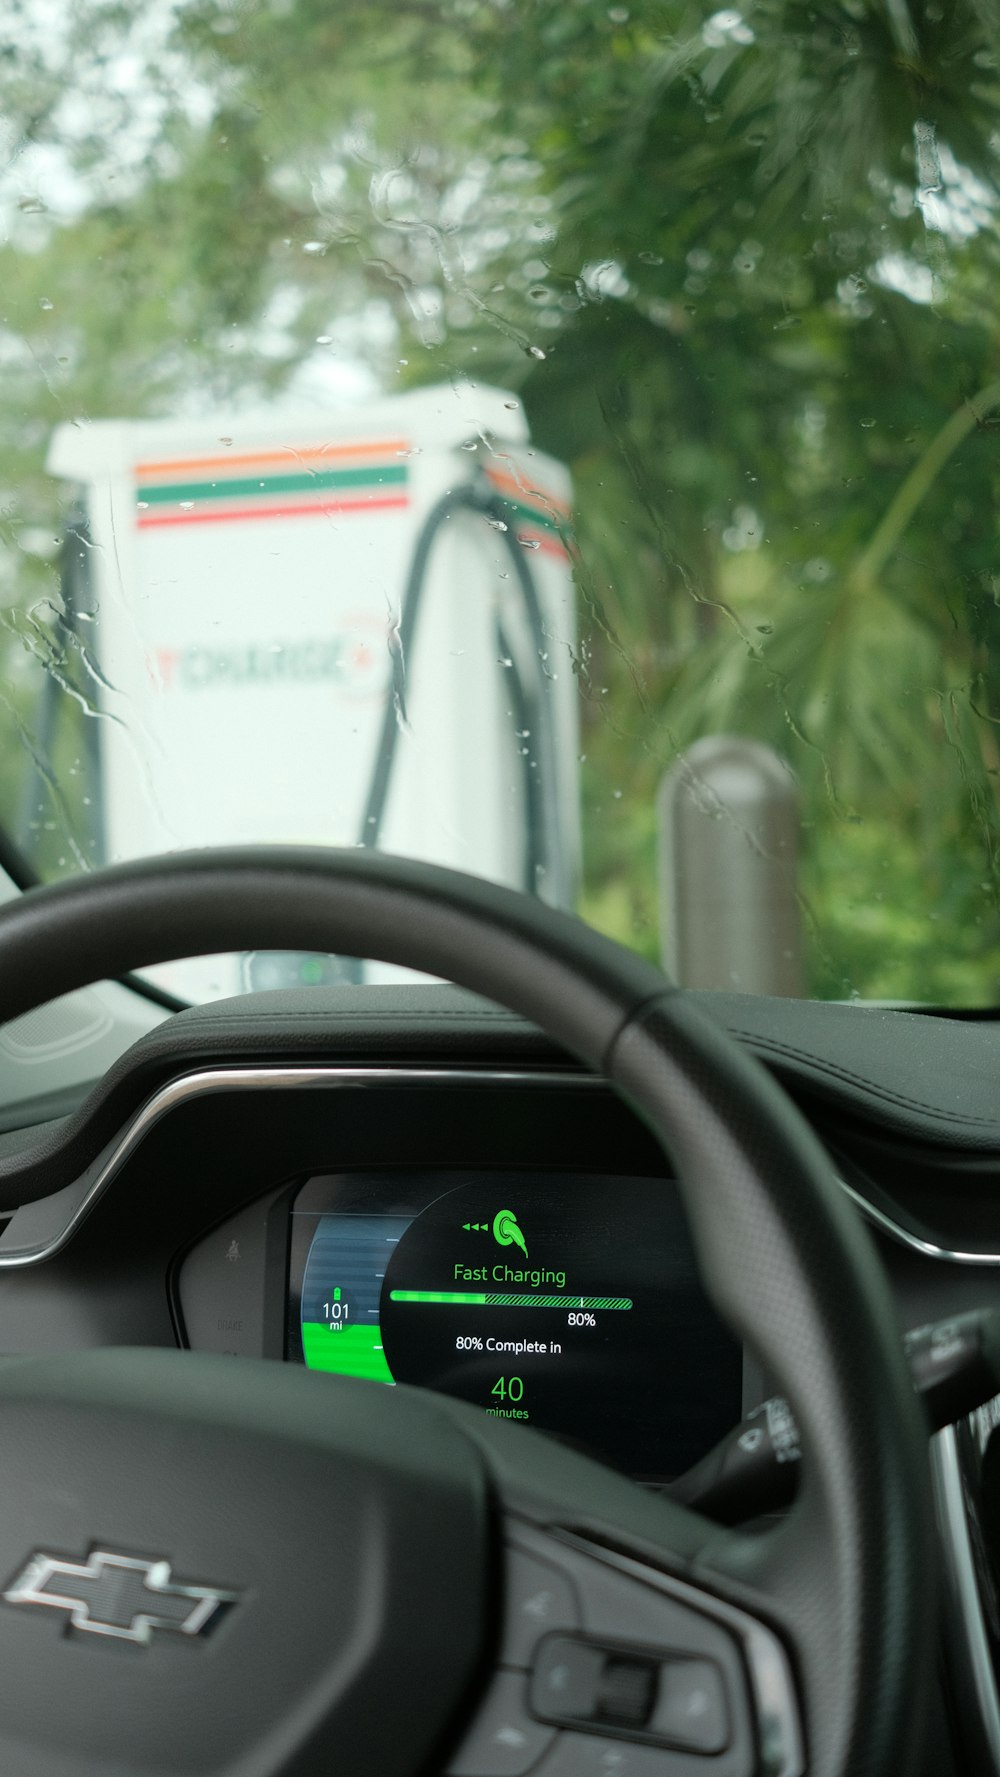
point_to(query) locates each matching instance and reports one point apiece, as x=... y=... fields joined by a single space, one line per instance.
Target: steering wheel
x=385 y=1582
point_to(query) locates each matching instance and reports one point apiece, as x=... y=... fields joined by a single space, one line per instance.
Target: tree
x=741 y=269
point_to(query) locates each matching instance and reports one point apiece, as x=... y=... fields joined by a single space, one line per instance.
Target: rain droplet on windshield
x=929 y=176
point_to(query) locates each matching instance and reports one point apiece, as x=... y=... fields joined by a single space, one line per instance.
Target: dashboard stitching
x=831 y=1068
x=767 y=1045
x=418 y=1019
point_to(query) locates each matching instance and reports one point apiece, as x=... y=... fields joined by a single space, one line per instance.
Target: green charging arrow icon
x=506 y=1231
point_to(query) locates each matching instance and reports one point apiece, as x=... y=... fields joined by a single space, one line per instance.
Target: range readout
x=568 y=1302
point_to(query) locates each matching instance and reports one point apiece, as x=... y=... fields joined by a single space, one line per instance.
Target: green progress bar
x=465 y=1299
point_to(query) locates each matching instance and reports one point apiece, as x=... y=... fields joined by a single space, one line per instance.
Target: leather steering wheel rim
x=845 y=1579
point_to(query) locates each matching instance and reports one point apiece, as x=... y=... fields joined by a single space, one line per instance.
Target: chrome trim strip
x=239 y=1079
x=975 y=1665
x=236 y=1079
x=927 y=1248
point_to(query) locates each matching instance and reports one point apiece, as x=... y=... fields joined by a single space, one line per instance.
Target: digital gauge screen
x=569 y=1302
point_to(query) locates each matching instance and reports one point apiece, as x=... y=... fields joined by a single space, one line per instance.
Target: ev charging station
x=355 y=629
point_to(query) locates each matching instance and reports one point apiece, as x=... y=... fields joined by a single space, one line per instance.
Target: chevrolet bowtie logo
x=119 y=1595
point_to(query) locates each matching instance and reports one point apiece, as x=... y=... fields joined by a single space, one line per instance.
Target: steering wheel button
x=538 y=1599
x=568 y=1680
x=574 y=1682
x=503 y=1741
x=691 y=1710
x=590 y=1755
x=628 y=1686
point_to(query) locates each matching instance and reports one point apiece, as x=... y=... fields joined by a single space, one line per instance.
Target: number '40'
x=508 y=1388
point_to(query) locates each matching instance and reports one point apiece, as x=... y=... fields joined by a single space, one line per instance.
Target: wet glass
x=559 y=440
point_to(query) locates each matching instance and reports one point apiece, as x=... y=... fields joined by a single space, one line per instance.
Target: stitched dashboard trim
x=835 y=1071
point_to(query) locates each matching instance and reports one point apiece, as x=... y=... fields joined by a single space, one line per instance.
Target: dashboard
x=409 y=1186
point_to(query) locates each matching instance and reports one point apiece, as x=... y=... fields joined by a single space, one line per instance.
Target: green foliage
x=851 y=421
x=742 y=268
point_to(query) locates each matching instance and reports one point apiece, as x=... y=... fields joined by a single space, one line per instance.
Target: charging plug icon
x=506 y=1231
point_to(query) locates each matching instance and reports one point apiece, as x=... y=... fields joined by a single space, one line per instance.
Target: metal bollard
x=728 y=821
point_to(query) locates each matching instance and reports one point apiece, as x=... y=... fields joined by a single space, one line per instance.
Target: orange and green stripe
x=291 y=483
x=537 y=515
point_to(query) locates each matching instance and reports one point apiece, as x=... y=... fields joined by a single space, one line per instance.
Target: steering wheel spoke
x=616 y=1651
x=607 y=1664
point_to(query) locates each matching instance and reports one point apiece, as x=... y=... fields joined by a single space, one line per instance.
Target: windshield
x=556 y=440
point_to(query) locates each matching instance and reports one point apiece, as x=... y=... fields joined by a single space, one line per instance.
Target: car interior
x=499 y=888
x=531 y=1597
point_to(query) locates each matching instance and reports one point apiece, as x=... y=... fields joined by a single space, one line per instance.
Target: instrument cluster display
x=570 y=1302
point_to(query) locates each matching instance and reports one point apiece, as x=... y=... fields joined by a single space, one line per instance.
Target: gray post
x=728 y=824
